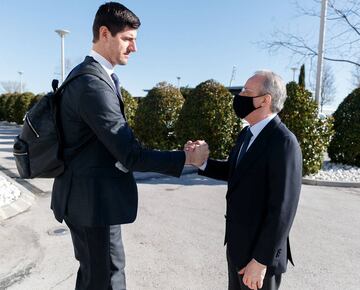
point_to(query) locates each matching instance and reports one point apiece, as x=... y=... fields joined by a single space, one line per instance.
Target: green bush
x=345 y=144
x=9 y=106
x=156 y=116
x=21 y=105
x=13 y=106
x=34 y=100
x=131 y=106
x=185 y=91
x=300 y=114
x=3 y=98
x=208 y=114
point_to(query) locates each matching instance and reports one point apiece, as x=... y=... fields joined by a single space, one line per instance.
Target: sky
x=195 y=40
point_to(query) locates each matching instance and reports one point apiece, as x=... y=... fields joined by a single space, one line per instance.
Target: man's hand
x=196 y=152
x=254 y=274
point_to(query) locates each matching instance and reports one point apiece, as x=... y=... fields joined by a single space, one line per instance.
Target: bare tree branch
x=344 y=17
x=342 y=60
x=12 y=86
x=343 y=35
x=356 y=77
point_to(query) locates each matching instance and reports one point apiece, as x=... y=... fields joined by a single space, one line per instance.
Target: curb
x=317 y=182
x=24 y=202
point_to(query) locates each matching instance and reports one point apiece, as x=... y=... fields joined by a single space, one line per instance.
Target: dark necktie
x=118 y=92
x=244 y=146
x=117 y=85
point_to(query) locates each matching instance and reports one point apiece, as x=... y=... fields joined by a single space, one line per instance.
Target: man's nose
x=133 y=47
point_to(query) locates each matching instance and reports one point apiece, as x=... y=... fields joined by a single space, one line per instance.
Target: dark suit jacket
x=92 y=191
x=262 y=197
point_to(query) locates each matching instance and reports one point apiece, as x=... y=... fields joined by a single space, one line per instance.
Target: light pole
x=62 y=33
x=294 y=69
x=20 y=74
x=320 y=51
x=233 y=73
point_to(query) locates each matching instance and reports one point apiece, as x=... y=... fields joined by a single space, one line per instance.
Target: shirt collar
x=107 y=66
x=258 y=127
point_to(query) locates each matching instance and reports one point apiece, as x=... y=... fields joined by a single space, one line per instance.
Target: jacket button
x=278 y=253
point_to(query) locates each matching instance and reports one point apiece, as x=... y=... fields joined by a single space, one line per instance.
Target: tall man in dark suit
x=263 y=172
x=97 y=192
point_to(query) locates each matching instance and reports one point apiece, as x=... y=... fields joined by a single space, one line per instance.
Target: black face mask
x=243 y=106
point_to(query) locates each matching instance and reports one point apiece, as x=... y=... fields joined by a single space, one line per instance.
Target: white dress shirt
x=258 y=127
x=105 y=64
x=255 y=130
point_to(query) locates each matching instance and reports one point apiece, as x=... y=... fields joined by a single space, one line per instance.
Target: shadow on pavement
x=186 y=180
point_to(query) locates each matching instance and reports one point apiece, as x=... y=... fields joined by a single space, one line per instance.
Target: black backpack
x=38 y=148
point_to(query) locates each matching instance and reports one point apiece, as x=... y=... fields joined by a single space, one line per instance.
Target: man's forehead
x=130 y=32
x=253 y=83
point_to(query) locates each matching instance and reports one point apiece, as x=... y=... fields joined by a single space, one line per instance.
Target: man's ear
x=104 y=32
x=267 y=99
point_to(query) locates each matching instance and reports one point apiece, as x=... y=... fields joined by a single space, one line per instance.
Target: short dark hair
x=116 y=17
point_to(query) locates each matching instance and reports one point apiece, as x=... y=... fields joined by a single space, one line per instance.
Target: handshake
x=196 y=152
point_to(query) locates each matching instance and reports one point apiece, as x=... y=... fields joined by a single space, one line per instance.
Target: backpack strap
x=78 y=74
x=58 y=91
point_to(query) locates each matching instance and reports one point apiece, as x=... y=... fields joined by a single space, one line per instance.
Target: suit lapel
x=254 y=152
x=102 y=72
x=107 y=79
x=234 y=153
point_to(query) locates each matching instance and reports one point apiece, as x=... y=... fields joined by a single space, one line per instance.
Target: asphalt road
x=177 y=239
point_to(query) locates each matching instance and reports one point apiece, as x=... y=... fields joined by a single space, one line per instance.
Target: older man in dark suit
x=263 y=172
x=97 y=191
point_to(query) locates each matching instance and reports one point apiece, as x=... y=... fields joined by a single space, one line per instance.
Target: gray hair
x=274 y=86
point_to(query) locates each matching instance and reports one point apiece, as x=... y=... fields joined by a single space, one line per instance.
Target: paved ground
x=176 y=242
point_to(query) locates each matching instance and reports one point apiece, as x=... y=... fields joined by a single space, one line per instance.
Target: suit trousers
x=100 y=253
x=235 y=280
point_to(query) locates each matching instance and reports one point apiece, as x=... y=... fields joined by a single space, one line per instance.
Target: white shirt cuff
x=203 y=166
x=121 y=167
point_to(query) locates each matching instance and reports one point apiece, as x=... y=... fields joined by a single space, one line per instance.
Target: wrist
x=187 y=158
x=258 y=263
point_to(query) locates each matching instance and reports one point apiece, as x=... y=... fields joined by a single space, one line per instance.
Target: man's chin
x=123 y=62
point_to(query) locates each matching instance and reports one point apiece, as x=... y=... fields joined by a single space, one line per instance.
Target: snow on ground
x=8 y=192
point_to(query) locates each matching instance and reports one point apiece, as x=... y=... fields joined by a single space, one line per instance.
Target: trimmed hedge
x=345 y=144
x=208 y=114
x=300 y=114
x=13 y=106
x=156 y=116
x=131 y=106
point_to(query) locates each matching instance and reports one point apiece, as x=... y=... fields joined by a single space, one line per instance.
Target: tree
x=208 y=115
x=3 y=110
x=343 y=34
x=131 y=106
x=34 y=100
x=185 y=91
x=9 y=102
x=345 y=144
x=302 y=76
x=327 y=86
x=12 y=86
x=300 y=114
x=21 y=105
x=156 y=117
x=68 y=67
